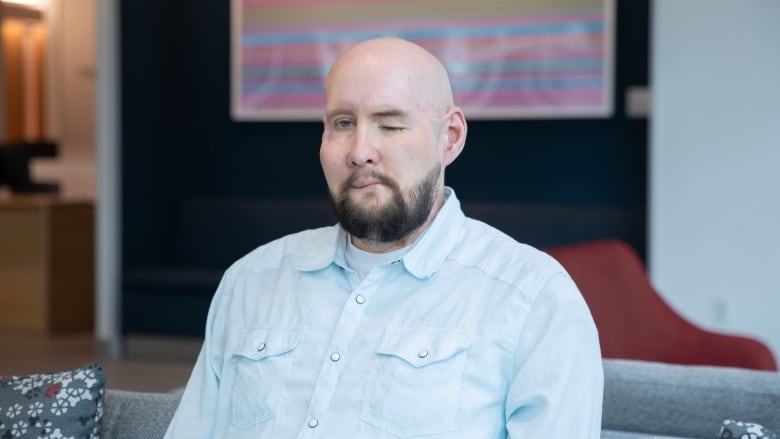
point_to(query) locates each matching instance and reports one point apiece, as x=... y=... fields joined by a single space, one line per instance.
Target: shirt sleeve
x=557 y=388
x=197 y=412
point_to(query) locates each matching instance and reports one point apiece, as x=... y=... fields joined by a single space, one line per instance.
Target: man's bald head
x=409 y=65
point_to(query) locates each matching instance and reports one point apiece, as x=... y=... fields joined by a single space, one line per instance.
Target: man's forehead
x=382 y=91
x=377 y=98
x=393 y=80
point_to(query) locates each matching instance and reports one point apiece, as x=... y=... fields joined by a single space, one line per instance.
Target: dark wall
x=179 y=142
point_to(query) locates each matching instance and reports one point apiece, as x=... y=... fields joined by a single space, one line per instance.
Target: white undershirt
x=362 y=261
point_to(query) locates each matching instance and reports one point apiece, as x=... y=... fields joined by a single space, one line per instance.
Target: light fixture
x=32 y=4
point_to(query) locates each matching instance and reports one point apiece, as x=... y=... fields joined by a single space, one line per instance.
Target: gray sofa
x=641 y=400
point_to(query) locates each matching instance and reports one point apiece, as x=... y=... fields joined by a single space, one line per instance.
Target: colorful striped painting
x=506 y=58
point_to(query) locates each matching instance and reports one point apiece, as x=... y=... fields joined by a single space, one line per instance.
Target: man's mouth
x=365 y=181
x=362 y=183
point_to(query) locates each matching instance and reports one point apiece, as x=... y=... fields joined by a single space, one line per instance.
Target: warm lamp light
x=34 y=4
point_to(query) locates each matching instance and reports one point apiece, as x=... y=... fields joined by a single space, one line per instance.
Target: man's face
x=380 y=152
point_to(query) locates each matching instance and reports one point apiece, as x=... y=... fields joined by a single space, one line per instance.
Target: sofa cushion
x=132 y=415
x=687 y=401
x=55 y=404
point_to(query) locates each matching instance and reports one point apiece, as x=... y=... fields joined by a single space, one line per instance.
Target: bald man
x=406 y=319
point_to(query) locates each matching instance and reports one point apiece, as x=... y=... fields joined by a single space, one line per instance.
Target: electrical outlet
x=720 y=312
x=637 y=102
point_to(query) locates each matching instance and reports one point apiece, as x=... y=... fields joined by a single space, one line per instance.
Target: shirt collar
x=326 y=249
x=437 y=242
x=426 y=256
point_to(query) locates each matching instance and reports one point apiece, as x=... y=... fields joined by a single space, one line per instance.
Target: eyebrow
x=338 y=112
x=375 y=115
x=391 y=113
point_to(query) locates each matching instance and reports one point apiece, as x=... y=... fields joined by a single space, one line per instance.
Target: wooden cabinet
x=46 y=264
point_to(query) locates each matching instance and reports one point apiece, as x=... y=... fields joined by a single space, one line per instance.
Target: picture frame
x=507 y=59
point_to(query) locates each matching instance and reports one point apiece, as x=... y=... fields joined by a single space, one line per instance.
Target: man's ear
x=456 y=128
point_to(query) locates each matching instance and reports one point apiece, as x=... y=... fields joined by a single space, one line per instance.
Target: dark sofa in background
x=207 y=235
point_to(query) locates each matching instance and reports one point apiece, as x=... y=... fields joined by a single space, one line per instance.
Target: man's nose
x=363 y=150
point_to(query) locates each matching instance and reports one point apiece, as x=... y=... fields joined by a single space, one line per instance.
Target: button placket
x=333 y=362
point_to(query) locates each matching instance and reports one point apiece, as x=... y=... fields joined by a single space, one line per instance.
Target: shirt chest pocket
x=414 y=389
x=262 y=361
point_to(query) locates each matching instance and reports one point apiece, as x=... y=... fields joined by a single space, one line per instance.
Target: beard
x=389 y=222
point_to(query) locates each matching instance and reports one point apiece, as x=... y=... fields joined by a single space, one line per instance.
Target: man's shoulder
x=503 y=258
x=296 y=248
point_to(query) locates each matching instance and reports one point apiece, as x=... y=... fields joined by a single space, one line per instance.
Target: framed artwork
x=507 y=59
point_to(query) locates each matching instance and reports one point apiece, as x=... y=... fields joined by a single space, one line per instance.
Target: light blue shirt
x=469 y=335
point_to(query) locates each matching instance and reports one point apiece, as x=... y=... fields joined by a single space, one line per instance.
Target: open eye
x=343 y=124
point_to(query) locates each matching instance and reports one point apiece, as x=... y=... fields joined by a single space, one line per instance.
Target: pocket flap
x=257 y=344
x=423 y=346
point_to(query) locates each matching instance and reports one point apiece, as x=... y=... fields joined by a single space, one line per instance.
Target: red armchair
x=634 y=322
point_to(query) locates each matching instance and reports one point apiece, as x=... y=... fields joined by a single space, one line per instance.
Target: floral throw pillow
x=744 y=430
x=67 y=404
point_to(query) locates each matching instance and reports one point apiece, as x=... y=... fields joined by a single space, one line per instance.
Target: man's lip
x=364 y=183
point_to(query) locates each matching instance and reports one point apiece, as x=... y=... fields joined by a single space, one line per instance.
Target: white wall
x=714 y=200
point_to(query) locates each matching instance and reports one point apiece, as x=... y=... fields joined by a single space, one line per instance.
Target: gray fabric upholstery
x=611 y=434
x=136 y=415
x=688 y=401
x=642 y=400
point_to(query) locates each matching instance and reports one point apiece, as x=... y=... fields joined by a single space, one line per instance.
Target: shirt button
x=360 y=299
x=261 y=348
x=334 y=357
x=423 y=353
x=313 y=423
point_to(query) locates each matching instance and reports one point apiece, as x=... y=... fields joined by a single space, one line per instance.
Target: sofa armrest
x=133 y=415
x=688 y=401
